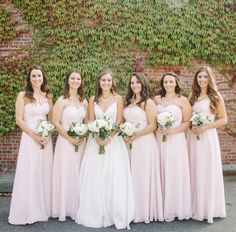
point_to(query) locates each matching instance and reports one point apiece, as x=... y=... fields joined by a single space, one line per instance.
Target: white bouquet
x=199 y=119
x=77 y=130
x=101 y=128
x=165 y=120
x=44 y=129
x=128 y=129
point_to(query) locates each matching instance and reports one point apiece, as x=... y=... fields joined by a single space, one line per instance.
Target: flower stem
x=101 y=150
x=76 y=148
x=164 y=138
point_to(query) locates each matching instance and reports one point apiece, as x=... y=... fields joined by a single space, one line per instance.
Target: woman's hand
x=103 y=142
x=199 y=129
x=163 y=131
x=74 y=141
x=130 y=139
x=45 y=140
x=39 y=139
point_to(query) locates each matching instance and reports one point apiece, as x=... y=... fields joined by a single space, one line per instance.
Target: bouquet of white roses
x=128 y=129
x=77 y=130
x=44 y=128
x=165 y=120
x=101 y=128
x=199 y=119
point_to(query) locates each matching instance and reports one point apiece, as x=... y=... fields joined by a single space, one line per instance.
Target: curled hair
x=211 y=89
x=162 y=91
x=145 y=91
x=98 y=91
x=80 y=90
x=29 y=91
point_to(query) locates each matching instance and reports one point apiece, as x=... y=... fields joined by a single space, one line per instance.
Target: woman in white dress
x=208 y=197
x=69 y=108
x=106 y=195
x=31 y=196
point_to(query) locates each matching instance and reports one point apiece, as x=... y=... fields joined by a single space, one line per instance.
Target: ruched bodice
x=111 y=111
x=66 y=167
x=203 y=105
x=136 y=115
x=33 y=112
x=176 y=112
x=72 y=114
x=31 y=197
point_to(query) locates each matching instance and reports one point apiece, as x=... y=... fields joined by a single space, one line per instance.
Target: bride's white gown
x=106 y=196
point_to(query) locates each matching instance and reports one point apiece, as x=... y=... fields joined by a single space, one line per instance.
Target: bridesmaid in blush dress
x=31 y=196
x=71 y=107
x=106 y=194
x=208 y=199
x=173 y=151
x=144 y=155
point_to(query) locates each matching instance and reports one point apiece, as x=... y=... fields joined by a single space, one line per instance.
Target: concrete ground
x=220 y=225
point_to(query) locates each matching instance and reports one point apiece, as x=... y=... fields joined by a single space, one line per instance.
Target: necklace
x=106 y=99
x=40 y=98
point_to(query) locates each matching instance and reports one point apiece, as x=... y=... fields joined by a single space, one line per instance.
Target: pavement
x=227 y=224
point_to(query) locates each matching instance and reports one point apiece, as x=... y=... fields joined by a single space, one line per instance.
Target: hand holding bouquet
x=44 y=129
x=128 y=129
x=77 y=130
x=165 y=120
x=199 y=119
x=101 y=128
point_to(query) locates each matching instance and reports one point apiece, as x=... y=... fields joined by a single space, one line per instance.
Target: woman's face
x=169 y=84
x=36 y=78
x=202 y=79
x=106 y=82
x=135 y=85
x=74 y=80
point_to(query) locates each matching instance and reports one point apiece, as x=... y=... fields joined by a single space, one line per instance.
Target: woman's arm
x=186 y=112
x=91 y=115
x=85 y=104
x=120 y=110
x=57 y=113
x=19 y=107
x=222 y=118
x=50 y=108
x=151 y=120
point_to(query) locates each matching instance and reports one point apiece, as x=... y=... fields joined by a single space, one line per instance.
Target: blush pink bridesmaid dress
x=145 y=170
x=208 y=199
x=31 y=196
x=175 y=170
x=66 y=168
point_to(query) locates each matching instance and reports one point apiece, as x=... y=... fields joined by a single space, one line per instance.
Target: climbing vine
x=7 y=31
x=91 y=35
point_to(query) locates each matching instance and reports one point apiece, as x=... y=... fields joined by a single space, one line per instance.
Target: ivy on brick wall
x=96 y=34
x=7 y=31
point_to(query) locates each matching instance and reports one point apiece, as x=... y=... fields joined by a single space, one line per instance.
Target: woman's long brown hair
x=98 y=91
x=80 y=90
x=162 y=91
x=145 y=91
x=29 y=92
x=211 y=89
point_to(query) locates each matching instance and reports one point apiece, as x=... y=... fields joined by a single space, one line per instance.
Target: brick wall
x=23 y=30
x=226 y=81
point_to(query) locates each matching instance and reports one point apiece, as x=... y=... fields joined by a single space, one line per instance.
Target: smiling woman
x=69 y=109
x=106 y=194
x=204 y=150
x=176 y=111
x=31 y=197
